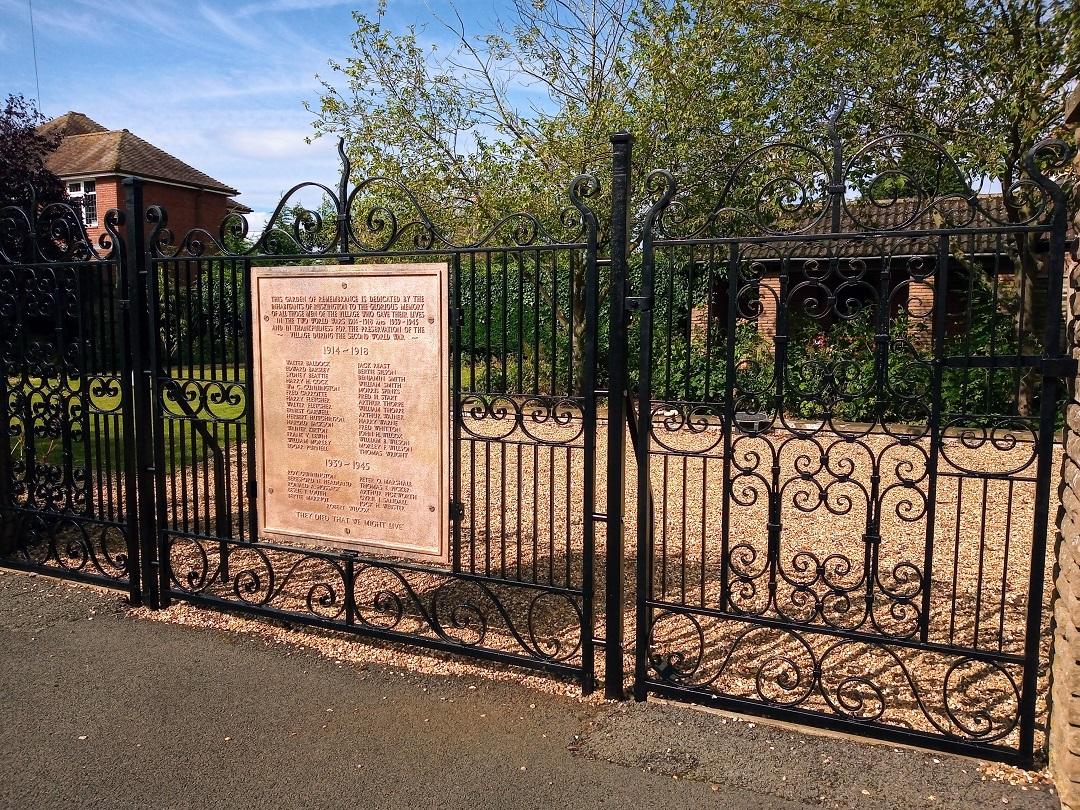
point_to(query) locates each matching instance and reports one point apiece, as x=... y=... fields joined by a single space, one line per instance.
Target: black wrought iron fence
x=848 y=409
x=846 y=382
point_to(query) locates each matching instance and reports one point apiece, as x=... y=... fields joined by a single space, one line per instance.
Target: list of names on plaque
x=352 y=406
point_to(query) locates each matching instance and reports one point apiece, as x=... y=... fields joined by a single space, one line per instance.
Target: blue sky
x=218 y=84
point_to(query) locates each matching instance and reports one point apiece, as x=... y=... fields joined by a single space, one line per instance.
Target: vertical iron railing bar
x=689 y=332
x=710 y=318
x=958 y=523
x=937 y=351
x=622 y=146
x=589 y=439
x=143 y=419
x=872 y=535
x=781 y=341
x=154 y=375
x=98 y=471
x=240 y=438
x=1021 y=327
x=994 y=308
x=29 y=434
x=1005 y=569
x=203 y=292
x=63 y=387
x=669 y=394
x=84 y=343
x=472 y=388
x=249 y=411
x=639 y=423
x=729 y=420
x=536 y=320
x=456 y=415
x=968 y=328
x=519 y=260
x=128 y=371
x=487 y=338
x=554 y=390
x=640 y=431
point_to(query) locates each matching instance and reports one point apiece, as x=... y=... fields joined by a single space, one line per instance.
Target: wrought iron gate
x=67 y=494
x=848 y=394
x=132 y=359
x=846 y=376
x=523 y=322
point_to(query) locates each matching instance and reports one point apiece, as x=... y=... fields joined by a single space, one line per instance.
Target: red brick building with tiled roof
x=93 y=161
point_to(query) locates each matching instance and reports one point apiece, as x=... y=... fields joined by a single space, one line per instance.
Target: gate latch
x=639 y=303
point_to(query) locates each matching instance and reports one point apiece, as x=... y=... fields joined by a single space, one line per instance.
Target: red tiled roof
x=88 y=149
x=71 y=123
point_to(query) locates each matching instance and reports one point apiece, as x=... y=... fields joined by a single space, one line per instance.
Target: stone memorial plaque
x=352 y=407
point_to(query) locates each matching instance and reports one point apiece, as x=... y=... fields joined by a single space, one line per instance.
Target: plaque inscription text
x=351 y=407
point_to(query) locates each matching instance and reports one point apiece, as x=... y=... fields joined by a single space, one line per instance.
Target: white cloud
x=270 y=143
x=273 y=6
x=240 y=34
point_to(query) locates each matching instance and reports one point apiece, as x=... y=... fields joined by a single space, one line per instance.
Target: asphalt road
x=99 y=709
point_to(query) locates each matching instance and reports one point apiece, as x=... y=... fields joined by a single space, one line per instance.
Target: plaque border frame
x=440 y=270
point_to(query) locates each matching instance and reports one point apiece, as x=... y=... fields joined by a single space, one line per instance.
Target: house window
x=86 y=192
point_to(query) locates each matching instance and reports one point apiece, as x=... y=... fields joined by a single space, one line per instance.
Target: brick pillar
x=769 y=295
x=920 y=303
x=1064 y=736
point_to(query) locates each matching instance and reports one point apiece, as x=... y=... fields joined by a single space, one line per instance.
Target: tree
x=23 y=153
x=455 y=126
x=501 y=121
x=990 y=79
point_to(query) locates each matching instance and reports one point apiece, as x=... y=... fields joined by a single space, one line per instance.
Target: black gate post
x=126 y=285
x=142 y=386
x=622 y=144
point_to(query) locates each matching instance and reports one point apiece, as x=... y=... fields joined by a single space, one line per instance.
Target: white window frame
x=77 y=190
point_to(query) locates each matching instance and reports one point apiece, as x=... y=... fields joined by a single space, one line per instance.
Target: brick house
x=93 y=161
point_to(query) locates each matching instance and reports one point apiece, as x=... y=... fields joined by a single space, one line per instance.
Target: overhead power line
x=33 y=46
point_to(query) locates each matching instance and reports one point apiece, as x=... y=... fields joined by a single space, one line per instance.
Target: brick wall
x=1065 y=668
x=109 y=195
x=769 y=296
x=187 y=208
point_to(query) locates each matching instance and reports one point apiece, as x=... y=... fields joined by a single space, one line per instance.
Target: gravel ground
x=524 y=520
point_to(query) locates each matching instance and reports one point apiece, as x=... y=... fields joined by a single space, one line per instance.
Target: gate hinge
x=639 y=303
x=457 y=317
x=457 y=510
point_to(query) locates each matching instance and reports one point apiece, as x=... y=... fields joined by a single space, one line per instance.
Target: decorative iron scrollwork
x=376 y=215
x=388 y=597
